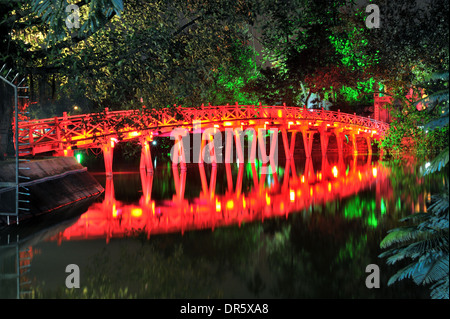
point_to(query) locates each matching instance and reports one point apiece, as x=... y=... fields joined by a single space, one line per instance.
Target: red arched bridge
x=61 y=135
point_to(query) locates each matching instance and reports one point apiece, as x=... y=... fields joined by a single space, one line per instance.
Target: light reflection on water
x=270 y=193
x=303 y=230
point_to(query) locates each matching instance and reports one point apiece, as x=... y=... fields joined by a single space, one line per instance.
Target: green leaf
x=432 y=271
x=399 y=235
x=437 y=163
x=440 y=290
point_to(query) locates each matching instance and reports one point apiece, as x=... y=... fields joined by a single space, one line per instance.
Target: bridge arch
x=61 y=135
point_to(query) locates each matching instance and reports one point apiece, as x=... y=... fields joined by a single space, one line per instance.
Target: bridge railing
x=242 y=112
x=49 y=134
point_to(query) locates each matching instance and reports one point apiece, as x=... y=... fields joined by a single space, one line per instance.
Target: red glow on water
x=112 y=218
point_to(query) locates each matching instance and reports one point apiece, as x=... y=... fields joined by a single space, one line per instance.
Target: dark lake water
x=305 y=229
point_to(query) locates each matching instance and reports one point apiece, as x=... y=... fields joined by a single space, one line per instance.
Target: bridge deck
x=95 y=130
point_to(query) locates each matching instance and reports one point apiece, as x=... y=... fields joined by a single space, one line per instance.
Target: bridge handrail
x=95 y=125
x=220 y=114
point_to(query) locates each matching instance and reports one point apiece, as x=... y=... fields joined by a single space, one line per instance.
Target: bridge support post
x=208 y=191
x=265 y=159
x=238 y=187
x=205 y=188
x=254 y=139
x=355 y=145
x=178 y=153
x=208 y=136
x=212 y=150
x=292 y=147
x=180 y=182
x=229 y=177
x=200 y=154
x=228 y=146
x=147 y=184
x=309 y=170
x=340 y=143
x=324 y=141
x=288 y=148
x=108 y=151
x=369 y=145
x=239 y=151
x=146 y=156
x=308 y=137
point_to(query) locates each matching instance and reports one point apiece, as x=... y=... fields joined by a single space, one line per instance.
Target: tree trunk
x=307 y=98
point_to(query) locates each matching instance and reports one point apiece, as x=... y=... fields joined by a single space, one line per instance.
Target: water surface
x=304 y=229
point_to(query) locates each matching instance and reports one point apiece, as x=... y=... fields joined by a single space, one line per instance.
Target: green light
x=372 y=220
x=353 y=247
x=354 y=208
x=382 y=207
x=79 y=158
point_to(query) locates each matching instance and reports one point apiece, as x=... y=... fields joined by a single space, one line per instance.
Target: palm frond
x=423 y=273
x=439 y=290
x=440 y=203
x=399 y=235
x=434 y=99
x=432 y=271
x=435 y=76
x=417 y=217
x=403 y=273
x=426 y=249
x=437 y=163
x=436 y=123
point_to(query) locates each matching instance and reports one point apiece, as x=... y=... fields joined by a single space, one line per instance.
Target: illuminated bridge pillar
x=180 y=182
x=288 y=148
x=240 y=176
x=178 y=152
x=208 y=191
x=262 y=147
x=355 y=146
x=323 y=141
x=253 y=136
x=308 y=137
x=108 y=151
x=208 y=135
x=212 y=151
x=146 y=156
x=369 y=145
x=239 y=149
x=340 y=142
x=228 y=146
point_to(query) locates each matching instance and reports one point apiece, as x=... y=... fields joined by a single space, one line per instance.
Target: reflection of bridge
x=292 y=193
x=61 y=135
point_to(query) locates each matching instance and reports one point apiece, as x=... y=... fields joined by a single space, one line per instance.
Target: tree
x=163 y=53
x=425 y=241
x=156 y=53
x=316 y=47
x=33 y=34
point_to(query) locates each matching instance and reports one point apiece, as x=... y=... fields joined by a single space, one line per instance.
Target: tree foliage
x=425 y=244
x=163 y=52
